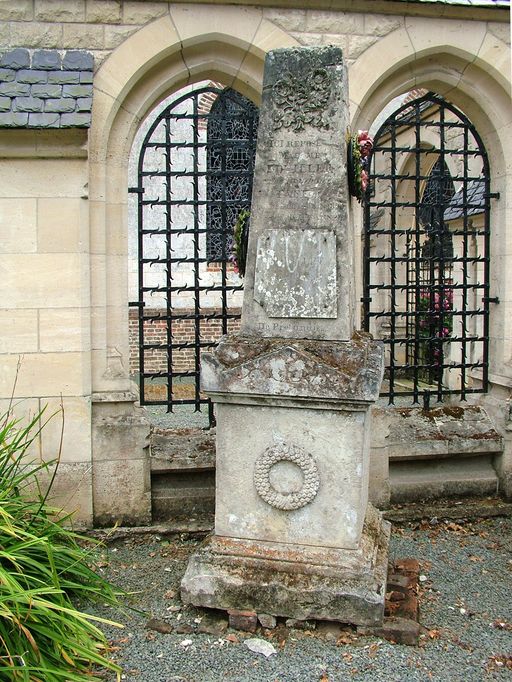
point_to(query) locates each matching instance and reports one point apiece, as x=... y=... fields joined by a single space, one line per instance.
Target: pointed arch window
x=439 y=189
x=426 y=253
x=231 y=150
x=194 y=176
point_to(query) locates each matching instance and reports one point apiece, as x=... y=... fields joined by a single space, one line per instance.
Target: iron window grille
x=426 y=252
x=195 y=172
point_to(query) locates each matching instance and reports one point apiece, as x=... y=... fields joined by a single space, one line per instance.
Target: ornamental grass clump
x=44 y=573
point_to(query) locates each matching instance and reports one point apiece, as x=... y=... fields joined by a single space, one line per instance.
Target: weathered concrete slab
x=427 y=480
x=182 y=450
x=308 y=257
x=413 y=433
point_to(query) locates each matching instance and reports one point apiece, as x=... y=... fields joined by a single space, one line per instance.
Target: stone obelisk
x=294 y=533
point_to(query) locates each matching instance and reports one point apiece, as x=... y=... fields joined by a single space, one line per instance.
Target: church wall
x=64 y=198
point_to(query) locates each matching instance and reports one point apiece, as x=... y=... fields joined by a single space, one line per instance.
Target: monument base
x=294 y=581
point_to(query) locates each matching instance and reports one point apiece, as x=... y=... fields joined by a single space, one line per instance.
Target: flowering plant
x=360 y=146
x=239 y=243
x=435 y=320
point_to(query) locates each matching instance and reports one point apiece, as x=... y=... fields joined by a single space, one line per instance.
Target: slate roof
x=474 y=197
x=45 y=88
x=469 y=3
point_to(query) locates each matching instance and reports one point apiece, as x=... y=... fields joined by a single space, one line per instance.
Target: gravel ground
x=183 y=417
x=465 y=605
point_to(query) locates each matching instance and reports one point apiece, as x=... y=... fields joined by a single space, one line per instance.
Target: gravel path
x=183 y=417
x=465 y=603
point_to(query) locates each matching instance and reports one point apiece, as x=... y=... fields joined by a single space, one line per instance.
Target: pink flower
x=364 y=180
x=365 y=143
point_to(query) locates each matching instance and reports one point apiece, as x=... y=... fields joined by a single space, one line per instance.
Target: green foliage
x=360 y=146
x=240 y=237
x=44 y=637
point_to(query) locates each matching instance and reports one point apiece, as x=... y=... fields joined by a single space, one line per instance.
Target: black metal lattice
x=228 y=185
x=426 y=253
x=195 y=174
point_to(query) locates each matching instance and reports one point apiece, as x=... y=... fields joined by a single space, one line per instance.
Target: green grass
x=44 y=573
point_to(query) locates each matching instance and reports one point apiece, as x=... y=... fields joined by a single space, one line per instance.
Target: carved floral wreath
x=359 y=149
x=301 y=102
x=291 y=500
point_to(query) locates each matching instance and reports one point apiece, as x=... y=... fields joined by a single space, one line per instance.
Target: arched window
x=426 y=288
x=435 y=267
x=194 y=176
x=231 y=138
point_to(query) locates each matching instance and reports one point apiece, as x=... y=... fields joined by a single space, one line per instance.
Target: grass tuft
x=44 y=573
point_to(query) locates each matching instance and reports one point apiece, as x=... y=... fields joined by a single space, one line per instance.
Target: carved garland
x=302 y=101
x=286 y=453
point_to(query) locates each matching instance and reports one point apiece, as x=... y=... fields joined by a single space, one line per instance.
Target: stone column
x=294 y=533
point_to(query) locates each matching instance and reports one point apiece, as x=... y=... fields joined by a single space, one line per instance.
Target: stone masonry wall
x=99 y=26
x=60 y=249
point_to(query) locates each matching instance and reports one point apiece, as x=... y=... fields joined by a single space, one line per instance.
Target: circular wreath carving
x=286 y=453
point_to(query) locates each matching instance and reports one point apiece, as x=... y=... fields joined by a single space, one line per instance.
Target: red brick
x=243 y=620
x=399 y=582
x=409 y=608
x=407 y=566
x=395 y=629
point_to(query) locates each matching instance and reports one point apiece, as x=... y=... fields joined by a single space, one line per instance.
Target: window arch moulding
x=151 y=64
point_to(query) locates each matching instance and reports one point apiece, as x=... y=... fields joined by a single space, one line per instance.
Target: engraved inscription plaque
x=296 y=273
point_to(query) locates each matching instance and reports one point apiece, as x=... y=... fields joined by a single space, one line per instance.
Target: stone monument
x=295 y=535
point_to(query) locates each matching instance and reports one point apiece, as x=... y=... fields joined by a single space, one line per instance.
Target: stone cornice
x=423 y=8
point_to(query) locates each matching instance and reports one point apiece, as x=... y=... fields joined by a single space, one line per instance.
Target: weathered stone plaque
x=294 y=533
x=296 y=273
x=299 y=267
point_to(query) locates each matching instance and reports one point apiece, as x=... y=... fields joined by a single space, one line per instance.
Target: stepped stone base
x=429 y=480
x=294 y=581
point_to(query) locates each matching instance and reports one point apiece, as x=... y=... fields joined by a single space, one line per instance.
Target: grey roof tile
x=16 y=59
x=46 y=59
x=475 y=201
x=504 y=4
x=45 y=88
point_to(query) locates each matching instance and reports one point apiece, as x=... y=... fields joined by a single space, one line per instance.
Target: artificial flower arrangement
x=239 y=244
x=359 y=147
x=435 y=319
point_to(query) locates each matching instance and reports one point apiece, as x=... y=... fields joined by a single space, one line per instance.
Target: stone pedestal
x=294 y=534
x=294 y=581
